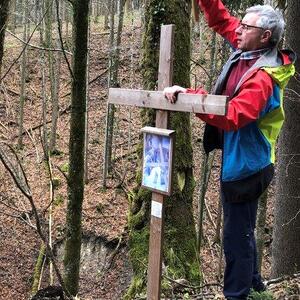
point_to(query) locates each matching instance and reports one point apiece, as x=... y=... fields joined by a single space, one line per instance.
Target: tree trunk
x=52 y=75
x=107 y=5
x=55 y=84
x=23 y=80
x=13 y=17
x=114 y=59
x=43 y=86
x=180 y=238
x=86 y=138
x=67 y=21
x=128 y=6
x=260 y=228
x=110 y=112
x=97 y=12
x=286 y=242
x=76 y=147
x=4 y=10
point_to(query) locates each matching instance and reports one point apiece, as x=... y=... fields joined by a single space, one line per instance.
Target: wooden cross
x=206 y=104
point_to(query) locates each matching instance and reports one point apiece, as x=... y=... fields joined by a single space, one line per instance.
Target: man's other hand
x=171 y=92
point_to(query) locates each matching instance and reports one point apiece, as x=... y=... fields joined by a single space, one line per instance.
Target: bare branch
x=70 y=1
x=61 y=40
x=63 y=173
x=293 y=91
x=37 y=47
x=294 y=218
x=14 y=168
x=10 y=207
x=199 y=65
x=18 y=218
x=31 y=35
x=7 y=155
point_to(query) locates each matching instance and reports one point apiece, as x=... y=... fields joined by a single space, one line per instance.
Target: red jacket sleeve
x=220 y=20
x=246 y=106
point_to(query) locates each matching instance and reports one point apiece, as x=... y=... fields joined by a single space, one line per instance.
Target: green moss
x=139 y=249
x=65 y=168
x=139 y=258
x=260 y=295
x=195 y=274
x=56 y=182
x=139 y=209
x=59 y=199
x=100 y=208
x=142 y=197
x=175 y=267
x=102 y=189
x=56 y=152
x=181 y=258
x=136 y=287
x=136 y=220
x=38 y=269
x=95 y=141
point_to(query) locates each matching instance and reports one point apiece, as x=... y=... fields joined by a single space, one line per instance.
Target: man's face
x=250 y=38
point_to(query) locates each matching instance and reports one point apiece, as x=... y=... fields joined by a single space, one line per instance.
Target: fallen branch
x=280 y=279
x=182 y=282
x=90 y=82
x=14 y=93
x=209 y=215
x=62 y=112
x=116 y=250
x=129 y=153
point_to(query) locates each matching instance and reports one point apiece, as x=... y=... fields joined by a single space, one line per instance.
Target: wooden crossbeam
x=207 y=104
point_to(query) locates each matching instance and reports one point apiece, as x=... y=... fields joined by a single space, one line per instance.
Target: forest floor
x=106 y=270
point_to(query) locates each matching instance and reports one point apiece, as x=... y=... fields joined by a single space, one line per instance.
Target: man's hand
x=171 y=92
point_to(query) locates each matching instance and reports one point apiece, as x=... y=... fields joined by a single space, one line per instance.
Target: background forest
x=72 y=213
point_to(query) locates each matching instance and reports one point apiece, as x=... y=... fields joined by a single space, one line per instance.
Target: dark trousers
x=241 y=273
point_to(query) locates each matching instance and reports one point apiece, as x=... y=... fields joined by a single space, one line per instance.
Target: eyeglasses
x=247 y=27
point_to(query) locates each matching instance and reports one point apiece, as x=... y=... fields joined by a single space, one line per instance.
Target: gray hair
x=271 y=19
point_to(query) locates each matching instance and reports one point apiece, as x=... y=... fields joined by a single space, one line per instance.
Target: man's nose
x=238 y=30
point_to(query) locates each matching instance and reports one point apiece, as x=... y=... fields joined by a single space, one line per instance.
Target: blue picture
x=157 y=162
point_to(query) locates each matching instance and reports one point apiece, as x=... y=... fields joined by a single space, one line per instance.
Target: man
x=253 y=78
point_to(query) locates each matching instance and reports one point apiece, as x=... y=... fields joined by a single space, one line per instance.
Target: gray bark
x=4 y=10
x=76 y=148
x=286 y=242
x=113 y=82
x=260 y=228
x=23 y=81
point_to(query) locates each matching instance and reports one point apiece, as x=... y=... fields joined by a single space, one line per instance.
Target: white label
x=156 y=209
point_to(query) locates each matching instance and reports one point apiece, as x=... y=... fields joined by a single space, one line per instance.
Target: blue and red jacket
x=255 y=111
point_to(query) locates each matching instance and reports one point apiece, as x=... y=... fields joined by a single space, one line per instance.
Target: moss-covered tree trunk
x=76 y=147
x=179 y=238
x=4 y=10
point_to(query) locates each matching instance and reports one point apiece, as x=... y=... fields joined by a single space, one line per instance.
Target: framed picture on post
x=157 y=159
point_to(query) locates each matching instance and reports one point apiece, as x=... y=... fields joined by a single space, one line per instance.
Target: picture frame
x=158 y=159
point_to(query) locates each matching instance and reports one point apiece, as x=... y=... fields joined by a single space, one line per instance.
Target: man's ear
x=266 y=36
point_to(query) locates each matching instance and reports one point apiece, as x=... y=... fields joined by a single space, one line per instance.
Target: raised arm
x=219 y=19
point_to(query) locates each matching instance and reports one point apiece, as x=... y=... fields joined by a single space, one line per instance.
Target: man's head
x=261 y=27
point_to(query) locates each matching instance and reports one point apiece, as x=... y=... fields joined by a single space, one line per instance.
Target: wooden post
x=157 y=203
